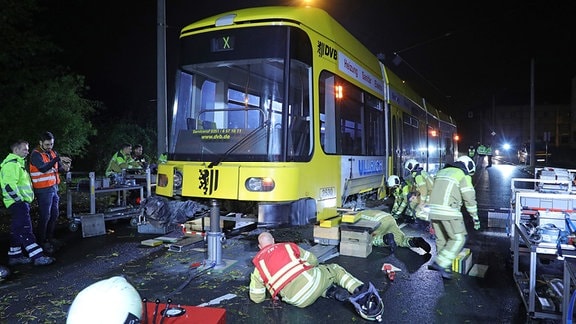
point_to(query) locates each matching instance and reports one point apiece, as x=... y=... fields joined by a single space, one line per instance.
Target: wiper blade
x=238 y=144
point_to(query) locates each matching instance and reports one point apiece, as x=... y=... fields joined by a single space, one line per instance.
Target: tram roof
x=312 y=18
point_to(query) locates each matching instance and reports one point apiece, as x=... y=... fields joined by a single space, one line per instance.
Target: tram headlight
x=259 y=184
x=177 y=180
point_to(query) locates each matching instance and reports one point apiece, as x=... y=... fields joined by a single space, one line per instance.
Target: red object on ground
x=182 y=314
x=388 y=269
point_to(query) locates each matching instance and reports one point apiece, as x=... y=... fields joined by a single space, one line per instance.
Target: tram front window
x=233 y=111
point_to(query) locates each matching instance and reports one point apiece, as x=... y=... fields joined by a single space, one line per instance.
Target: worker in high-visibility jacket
x=489 y=154
x=481 y=151
x=389 y=234
x=122 y=160
x=45 y=168
x=471 y=151
x=420 y=181
x=17 y=195
x=399 y=190
x=293 y=275
x=452 y=188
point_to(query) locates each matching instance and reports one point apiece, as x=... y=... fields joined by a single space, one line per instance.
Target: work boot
x=409 y=219
x=19 y=260
x=4 y=272
x=389 y=240
x=446 y=273
x=48 y=248
x=43 y=260
x=421 y=243
x=338 y=293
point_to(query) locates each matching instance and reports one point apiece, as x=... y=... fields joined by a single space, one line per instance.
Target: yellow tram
x=279 y=112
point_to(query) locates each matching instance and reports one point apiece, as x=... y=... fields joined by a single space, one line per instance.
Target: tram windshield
x=254 y=108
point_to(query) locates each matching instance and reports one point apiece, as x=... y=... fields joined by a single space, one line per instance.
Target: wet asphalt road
x=417 y=295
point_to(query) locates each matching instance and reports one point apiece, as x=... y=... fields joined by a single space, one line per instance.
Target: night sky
x=461 y=54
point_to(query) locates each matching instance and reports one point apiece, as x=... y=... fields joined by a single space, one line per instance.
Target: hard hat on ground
x=393 y=180
x=368 y=304
x=112 y=300
x=468 y=163
x=411 y=165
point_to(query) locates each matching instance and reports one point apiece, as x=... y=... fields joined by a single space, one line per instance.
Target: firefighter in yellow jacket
x=452 y=188
x=389 y=234
x=421 y=182
x=293 y=275
x=400 y=191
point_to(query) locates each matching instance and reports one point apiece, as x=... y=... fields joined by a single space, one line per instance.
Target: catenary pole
x=161 y=104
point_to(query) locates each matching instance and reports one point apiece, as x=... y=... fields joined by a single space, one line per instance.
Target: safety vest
x=120 y=161
x=481 y=150
x=422 y=182
x=278 y=264
x=20 y=188
x=400 y=199
x=44 y=179
x=471 y=152
x=489 y=150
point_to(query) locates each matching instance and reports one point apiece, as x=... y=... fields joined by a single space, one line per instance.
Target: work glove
x=476 y=223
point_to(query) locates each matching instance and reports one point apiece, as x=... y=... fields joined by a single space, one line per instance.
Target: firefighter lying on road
x=389 y=234
x=293 y=275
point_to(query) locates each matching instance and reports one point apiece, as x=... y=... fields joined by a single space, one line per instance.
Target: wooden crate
x=331 y=233
x=355 y=243
x=355 y=249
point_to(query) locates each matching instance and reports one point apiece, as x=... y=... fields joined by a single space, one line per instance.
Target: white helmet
x=393 y=181
x=410 y=165
x=368 y=304
x=111 y=300
x=468 y=163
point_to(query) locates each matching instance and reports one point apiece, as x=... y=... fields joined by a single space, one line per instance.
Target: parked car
x=542 y=153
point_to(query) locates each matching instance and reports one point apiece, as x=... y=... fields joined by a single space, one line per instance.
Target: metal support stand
x=215 y=238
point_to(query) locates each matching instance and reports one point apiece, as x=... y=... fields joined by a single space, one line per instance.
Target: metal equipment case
x=538 y=204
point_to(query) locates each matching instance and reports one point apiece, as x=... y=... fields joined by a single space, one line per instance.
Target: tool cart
x=93 y=221
x=543 y=232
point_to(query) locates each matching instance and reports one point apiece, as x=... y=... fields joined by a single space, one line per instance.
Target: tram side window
x=375 y=130
x=410 y=131
x=351 y=121
x=351 y=125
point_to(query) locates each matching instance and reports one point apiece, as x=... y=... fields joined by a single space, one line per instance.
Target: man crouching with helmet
x=293 y=275
x=452 y=187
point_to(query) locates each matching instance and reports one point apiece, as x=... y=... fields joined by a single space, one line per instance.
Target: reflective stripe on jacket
x=15 y=181
x=452 y=188
x=481 y=150
x=400 y=199
x=48 y=178
x=118 y=162
x=423 y=183
x=278 y=264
